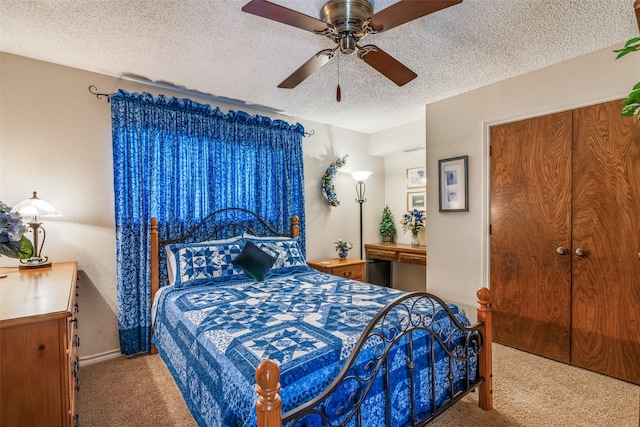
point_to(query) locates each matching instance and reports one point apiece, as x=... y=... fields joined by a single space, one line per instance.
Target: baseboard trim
x=101 y=357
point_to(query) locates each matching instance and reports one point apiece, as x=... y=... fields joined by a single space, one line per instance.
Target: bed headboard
x=219 y=224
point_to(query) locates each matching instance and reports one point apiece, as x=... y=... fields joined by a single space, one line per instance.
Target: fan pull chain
x=338 y=91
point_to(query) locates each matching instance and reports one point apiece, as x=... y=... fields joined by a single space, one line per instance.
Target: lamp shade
x=361 y=176
x=35 y=208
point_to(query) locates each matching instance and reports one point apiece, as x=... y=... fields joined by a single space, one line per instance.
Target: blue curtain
x=177 y=160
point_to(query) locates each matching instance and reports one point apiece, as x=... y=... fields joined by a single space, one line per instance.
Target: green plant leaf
x=623 y=52
x=631 y=110
x=634 y=97
x=632 y=102
x=631 y=41
x=628 y=47
x=26 y=248
x=21 y=249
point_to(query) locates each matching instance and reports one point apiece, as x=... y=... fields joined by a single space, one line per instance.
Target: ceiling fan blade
x=407 y=10
x=308 y=68
x=275 y=12
x=386 y=64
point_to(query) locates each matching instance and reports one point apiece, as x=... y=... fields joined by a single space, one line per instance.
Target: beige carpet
x=528 y=391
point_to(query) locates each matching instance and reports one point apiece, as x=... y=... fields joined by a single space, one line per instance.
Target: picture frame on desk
x=453 y=184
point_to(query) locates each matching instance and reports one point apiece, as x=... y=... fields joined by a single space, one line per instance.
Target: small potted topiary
x=387 y=226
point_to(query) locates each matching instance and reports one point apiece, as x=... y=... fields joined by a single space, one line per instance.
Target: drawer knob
x=346 y=274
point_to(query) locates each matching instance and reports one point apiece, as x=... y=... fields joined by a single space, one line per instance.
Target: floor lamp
x=360 y=177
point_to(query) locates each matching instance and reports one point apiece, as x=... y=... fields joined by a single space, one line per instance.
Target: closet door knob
x=562 y=250
x=581 y=252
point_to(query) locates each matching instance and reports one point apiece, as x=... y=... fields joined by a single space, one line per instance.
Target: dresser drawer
x=355 y=272
x=412 y=258
x=381 y=254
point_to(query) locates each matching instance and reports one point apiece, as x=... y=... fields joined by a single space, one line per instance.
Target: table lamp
x=32 y=210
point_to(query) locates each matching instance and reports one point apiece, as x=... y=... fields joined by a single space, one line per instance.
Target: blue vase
x=343 y=253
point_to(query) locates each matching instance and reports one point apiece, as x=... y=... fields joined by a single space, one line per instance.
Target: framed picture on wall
x=417 y=201
x=453 y=189
x=416 y=177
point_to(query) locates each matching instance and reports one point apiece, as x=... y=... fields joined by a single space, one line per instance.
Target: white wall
x=326 y=223
x=55 y=138
x=458 y=242
x=393 y=144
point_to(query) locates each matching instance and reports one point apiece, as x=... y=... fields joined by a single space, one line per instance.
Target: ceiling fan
x=346 y=22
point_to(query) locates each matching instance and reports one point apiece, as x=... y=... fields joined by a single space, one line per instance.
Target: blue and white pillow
x=289 y=258
x=202 y=263
x=171 y=256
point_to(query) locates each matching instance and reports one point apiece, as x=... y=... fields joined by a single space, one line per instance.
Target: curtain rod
x=94 y=91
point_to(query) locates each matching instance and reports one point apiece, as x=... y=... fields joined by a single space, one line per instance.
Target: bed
x=247 y=341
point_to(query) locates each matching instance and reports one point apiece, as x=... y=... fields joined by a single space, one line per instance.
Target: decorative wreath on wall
x=328 y=189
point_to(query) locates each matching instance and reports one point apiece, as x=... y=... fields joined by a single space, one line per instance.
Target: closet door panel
x=606 y=226
x=530 y=221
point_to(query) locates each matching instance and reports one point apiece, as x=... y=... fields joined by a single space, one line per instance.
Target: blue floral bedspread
x=213 y=337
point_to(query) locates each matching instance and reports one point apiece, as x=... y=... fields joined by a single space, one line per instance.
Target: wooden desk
x=397 y=252
x=348 y=267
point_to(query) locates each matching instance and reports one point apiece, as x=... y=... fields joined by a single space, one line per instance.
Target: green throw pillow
x=254 y=261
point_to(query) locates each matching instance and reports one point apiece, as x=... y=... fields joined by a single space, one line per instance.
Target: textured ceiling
x=212 y=47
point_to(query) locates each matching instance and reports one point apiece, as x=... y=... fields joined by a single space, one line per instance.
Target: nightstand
x=349 y=268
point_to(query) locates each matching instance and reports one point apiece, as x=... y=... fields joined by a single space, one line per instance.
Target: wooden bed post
x=269 y=403
x=484 y=315
x=155 y=268
x=295 y=227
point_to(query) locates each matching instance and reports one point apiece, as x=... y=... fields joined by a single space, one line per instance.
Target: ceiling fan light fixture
x=347 y=44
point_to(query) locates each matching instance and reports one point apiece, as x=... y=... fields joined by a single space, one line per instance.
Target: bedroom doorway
x=565 y=238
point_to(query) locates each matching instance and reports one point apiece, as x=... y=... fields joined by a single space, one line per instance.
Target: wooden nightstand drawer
x=355 y=272
x=348 y=268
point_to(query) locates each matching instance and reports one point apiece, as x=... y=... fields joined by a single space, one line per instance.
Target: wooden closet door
x=606 y=225
x=530 y=220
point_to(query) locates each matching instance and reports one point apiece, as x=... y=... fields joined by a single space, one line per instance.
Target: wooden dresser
x=348 y=267
x=38 y=362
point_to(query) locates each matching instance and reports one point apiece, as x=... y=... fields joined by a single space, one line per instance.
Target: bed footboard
x=387 y=332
